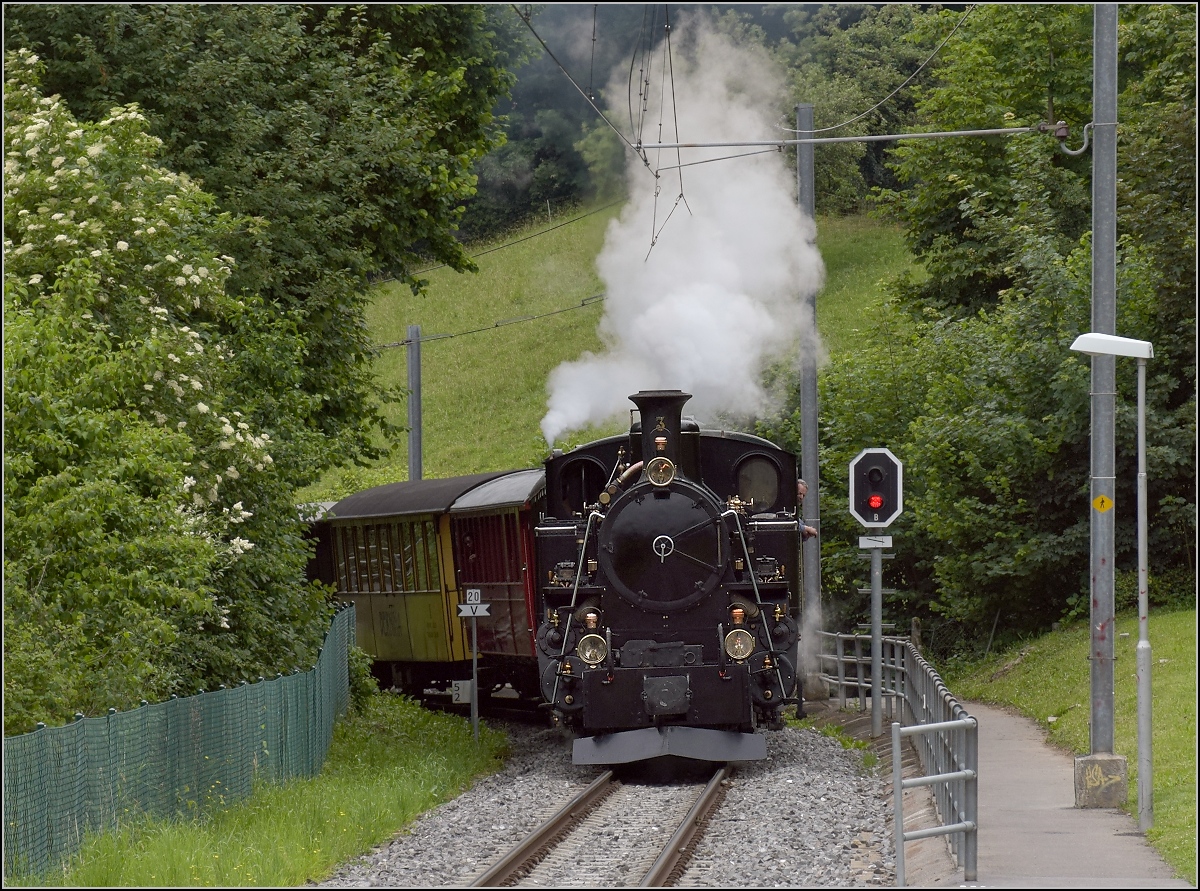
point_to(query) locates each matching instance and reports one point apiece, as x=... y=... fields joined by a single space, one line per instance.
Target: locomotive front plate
x=664 y=549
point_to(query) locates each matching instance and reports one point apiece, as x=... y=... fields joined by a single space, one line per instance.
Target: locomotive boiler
x=667 y=566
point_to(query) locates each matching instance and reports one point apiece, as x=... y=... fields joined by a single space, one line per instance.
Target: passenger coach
x=406 y=553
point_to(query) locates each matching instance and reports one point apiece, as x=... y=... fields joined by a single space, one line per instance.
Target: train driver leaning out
x=806 y=532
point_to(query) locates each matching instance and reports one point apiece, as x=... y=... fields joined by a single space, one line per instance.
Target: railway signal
x=876 y=488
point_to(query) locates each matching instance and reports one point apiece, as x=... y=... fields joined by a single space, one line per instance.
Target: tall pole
x=1101 y=776
x=809 y=467
x=414 y=402
x=1145 y=737
x=475 y=677
x=1104 y=378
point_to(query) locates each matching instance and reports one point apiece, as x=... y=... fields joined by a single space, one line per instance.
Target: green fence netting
x=177 y=758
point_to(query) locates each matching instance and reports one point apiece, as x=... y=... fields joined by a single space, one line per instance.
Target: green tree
x=151 y=541
x=343 y=135
x=604 y=154
x=1006 y=66
x=860 y=67
x=979 y=393
x=1156 y=188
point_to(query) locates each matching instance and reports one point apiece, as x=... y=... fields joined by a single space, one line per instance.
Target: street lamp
x=1111 y=345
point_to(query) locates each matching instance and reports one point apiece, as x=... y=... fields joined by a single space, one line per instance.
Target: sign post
x=474 y=608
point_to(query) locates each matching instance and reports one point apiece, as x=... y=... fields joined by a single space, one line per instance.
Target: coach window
x=758 y=481
x=488 y=549
x=387 y=558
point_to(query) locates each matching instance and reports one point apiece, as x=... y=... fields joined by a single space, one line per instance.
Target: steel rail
x=673 y=854
x=524 y=854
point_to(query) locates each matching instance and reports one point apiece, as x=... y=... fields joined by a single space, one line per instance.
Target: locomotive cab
x=667 y=611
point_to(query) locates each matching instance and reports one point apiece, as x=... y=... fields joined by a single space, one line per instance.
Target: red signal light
x=875 y=502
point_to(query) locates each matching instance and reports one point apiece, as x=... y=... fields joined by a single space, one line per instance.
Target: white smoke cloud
x=720 y=293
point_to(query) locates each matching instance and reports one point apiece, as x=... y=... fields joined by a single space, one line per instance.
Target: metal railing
x=944 y=736
x=946 y=739
x=847 y=670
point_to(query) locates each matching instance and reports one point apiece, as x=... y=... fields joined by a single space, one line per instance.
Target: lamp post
x=1111 y=345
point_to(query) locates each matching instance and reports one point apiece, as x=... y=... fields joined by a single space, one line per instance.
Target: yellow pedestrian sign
x=1102 y=503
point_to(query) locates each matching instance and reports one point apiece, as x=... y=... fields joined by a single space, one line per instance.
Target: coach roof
x=432 y=496
x=511 y=490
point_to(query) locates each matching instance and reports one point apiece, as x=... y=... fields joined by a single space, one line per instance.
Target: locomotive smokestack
x=662 y=421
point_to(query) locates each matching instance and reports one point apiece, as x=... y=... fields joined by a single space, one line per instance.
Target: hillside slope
x=490 y=339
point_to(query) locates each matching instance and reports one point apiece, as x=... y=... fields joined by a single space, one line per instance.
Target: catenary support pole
x=1102 y=776
x=414 y=402
x=1104 y=379
x=809 y=466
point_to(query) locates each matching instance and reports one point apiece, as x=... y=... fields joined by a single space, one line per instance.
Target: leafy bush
x=362 y=683
x=151 y=540
x=343 y=135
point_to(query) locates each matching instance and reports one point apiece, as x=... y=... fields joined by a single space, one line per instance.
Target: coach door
x=491 y=555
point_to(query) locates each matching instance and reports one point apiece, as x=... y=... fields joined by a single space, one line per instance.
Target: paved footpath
x=1031 y=835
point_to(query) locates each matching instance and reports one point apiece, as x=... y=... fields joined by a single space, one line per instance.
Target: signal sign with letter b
x=876 y=487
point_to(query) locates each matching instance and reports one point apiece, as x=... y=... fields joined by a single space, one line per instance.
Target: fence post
x=971 y=804
x=898 y=803
x=841 y=670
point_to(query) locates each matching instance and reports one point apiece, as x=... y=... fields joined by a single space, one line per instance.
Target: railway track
x=614 y=832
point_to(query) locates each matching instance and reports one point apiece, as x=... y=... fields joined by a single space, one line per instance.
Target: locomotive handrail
x=579 y=566
x=781 y=525
x=745 y=552
x=757 y=597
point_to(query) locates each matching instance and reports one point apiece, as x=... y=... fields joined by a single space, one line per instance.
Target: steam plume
x=719 y=294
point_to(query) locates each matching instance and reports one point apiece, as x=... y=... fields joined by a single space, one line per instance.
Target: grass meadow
x=1048 y=679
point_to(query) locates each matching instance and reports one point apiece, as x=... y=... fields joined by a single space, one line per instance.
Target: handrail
x=966 y=778
x=945 y=737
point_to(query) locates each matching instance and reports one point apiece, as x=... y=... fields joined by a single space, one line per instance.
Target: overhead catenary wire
x=516 y=241
x=776 y=148
x=674 y=105
x=668 y=70
x=920 y=68
x=640 y=148
x=882 y=137
x=528 y=24
x=644 y=46
x=592 y=65
x=585 y=302
x=643 y=50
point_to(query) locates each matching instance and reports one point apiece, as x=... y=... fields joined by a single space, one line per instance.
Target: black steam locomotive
x=643 y=587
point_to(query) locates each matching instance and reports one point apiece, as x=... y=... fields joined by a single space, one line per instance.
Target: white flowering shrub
x=151 y=543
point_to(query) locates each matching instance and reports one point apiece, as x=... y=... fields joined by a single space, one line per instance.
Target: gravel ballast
x=809 y=815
